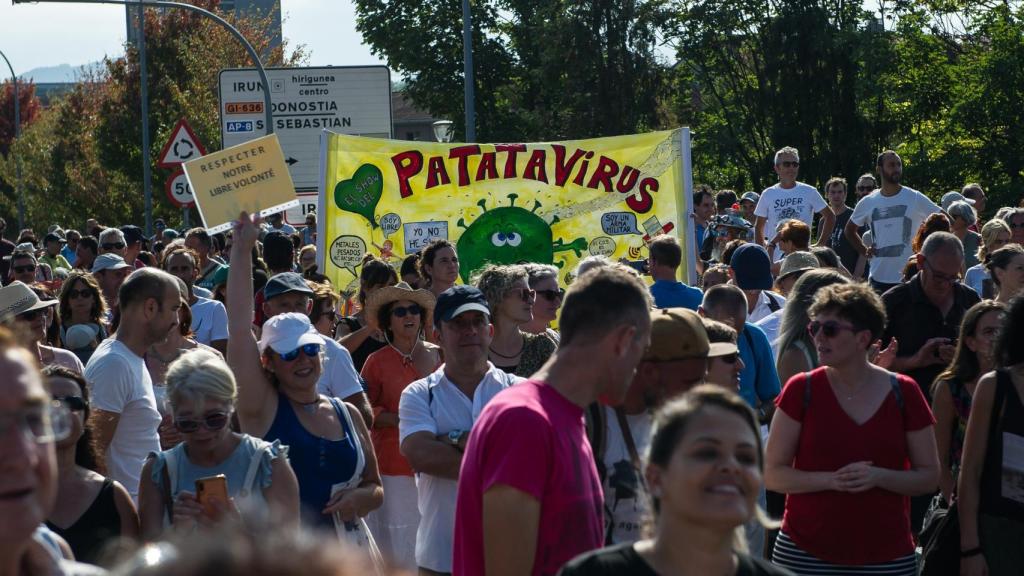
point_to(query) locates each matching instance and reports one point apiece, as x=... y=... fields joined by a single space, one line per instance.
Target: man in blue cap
x=751 y=270
x=436 y=414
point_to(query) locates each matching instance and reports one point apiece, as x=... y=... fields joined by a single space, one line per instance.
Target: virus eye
x=498 y=239
x=514 y=239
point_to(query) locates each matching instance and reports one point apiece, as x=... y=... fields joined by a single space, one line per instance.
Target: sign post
x=181 y=146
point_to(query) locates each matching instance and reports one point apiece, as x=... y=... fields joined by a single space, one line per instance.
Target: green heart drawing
x=361 y=193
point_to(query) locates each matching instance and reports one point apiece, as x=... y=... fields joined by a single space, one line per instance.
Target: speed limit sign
x=178 y=190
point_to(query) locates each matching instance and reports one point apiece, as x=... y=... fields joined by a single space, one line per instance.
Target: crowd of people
x=837 y=377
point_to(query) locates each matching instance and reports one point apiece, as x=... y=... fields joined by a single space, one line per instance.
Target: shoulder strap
x=807 y=390
x=594 y=418
x=627 y=435
x=897 y=391
x=773 y=303
x=254 y=466
x=170 y=478
x=350 y=430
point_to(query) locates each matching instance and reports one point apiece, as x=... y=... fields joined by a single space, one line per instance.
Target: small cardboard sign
x=252 y=176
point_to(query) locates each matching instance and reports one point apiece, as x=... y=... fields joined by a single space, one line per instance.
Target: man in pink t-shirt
x=529 y=496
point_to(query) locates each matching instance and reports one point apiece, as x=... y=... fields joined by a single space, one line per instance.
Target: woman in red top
x=849 y=444
x=401 y=313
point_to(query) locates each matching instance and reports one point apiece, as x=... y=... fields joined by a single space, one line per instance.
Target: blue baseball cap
x=284 y=283
x=752 y=267
x=459 y=299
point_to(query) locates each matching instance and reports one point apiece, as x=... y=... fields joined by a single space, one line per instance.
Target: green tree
x=542 y=69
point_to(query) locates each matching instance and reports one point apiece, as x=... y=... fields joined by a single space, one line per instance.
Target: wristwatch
x=453 y=437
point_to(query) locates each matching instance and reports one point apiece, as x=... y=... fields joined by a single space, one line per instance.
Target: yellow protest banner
x=252 y=176
x=551 y=203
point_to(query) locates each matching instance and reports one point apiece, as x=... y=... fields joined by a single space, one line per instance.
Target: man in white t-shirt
x=893 y=213
x=790 y=200
x=124 y=410
x=436 y=413
x=675 y=362
x=209 y=317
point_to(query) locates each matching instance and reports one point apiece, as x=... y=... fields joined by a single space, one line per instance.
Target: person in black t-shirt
x=704 y=476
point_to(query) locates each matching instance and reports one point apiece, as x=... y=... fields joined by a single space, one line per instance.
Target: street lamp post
x=142 y=57
x=17 y=133
x=467 y=70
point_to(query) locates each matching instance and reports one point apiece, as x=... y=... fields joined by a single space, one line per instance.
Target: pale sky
x=37 y=35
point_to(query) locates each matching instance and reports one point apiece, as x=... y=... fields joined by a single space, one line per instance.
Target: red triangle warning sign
x=181 y=147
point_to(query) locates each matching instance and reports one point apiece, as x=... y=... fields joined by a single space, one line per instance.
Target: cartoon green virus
x=509 y=235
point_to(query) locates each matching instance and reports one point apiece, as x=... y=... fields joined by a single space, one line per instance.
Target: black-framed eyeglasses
x=402 y=311
x=307 y=349
x=830 y=328
x=73 y=403
x=789 y=164
x=865 y=188
x=1015 y=225
x=212 y=422
x=552 y=295
x=24 y=269
x=113 y=245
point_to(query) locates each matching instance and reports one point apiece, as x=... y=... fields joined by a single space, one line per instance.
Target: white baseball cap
x=286 y=332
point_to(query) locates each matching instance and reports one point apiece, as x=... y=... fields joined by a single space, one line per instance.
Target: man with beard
x=893 y=213
x=125 y=415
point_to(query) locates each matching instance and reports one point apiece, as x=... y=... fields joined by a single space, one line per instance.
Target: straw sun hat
x=401 y=291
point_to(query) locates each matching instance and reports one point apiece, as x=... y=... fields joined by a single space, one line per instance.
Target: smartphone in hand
x=209 y=489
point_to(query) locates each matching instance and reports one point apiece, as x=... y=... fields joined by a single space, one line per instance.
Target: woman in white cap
x=30 y=317
x=329 y=446
x=401 y=314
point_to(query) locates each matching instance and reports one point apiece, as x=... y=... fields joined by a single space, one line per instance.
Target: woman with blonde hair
x=201 y=395
x=511 y=301
x=994 y=235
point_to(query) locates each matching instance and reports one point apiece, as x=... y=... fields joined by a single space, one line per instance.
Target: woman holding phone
x=260 y=483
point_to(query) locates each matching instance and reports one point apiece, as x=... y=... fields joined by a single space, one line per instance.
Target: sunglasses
x=730 y=358
x=412 y=309
x=213 y=422
x=525 y=294
x=32 y=314
x=82 y=293
x=73 y=403
x=829 y=329
x=789 y=164
x=865 y=188
x=552 y=295
x=24 y=269
x=307 y=349
x=113 y=246
x=1017 y=225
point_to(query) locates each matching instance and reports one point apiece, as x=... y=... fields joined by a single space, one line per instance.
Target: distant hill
x=59 y=73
